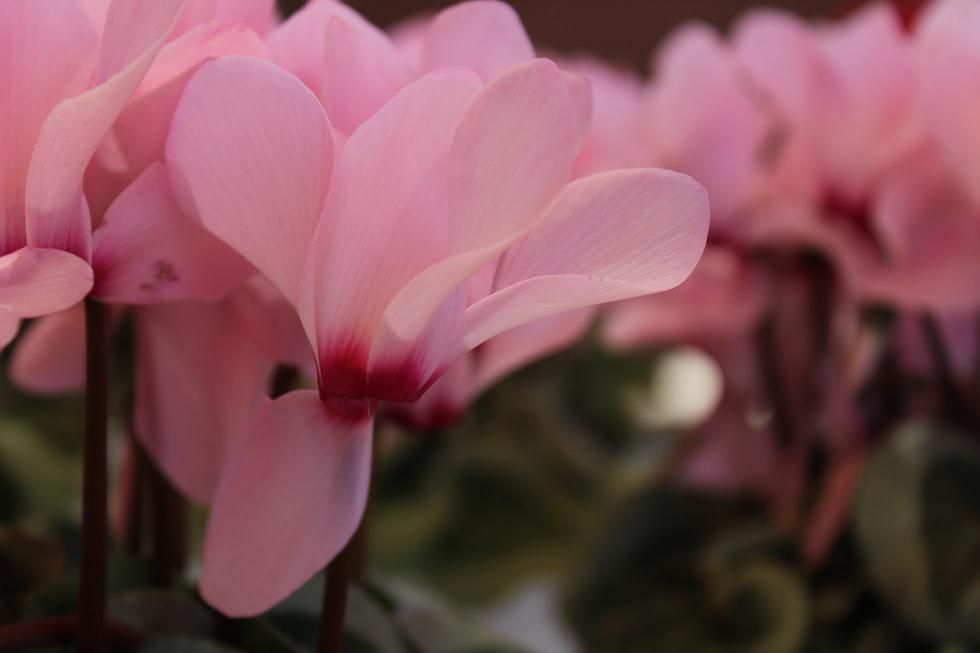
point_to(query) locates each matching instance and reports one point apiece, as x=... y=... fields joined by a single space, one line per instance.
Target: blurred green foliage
x=551 y=477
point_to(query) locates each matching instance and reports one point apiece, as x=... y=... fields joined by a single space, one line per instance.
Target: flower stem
x=92 y=591
x=131 y=510
x=339 y=573
x=767 y=360
x=169 y=527
x=347 y=566
x=943 y=367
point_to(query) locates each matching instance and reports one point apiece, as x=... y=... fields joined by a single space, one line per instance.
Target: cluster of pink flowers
x=310 y=193
x=843 y=174
x=407 y=218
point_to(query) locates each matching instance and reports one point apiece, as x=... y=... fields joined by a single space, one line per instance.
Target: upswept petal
x=139 y=135
x=362 y=70
x=606 y=237
x=48 y=52
x=147 y=251
x=291 y=495
x=948 y=75
x=135 y=30
x=50 y=357
x=36 y=282
x=511 y=154
x=299 y=43
x=199 y=379
x=483 y=35
x=523 y=345
x=250 y=153
x=388 y=213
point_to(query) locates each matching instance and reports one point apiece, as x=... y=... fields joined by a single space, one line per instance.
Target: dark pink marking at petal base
x=343 y=372
x=399 y=382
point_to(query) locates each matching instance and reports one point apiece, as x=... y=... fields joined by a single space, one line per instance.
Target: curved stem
x=347 y=566
x=168 y=527
x=339 y=573
x=132 y=507
x=92 y=590
x=943 y=366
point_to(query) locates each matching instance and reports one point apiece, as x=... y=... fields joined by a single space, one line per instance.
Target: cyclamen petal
x=291 y=495
x=362 y=70
x=299 y=44
x=50 y=356
x=512 y=152
x=483 y=35
x=387 y=217
x=135 y=31
x=948 y=76
x=607 y=237
x=258 y=15
x=49 y=50
x=35 y=282
x=705 y=119
x=148 y=251
x=525 y=344
x=139 y=135
x=250 y=154
x=199 y=378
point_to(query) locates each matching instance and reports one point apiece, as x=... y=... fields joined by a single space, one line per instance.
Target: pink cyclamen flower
x=845 y=91
x=355 y=68
x=64 y=86
x=449 y=176
x=163 y=267
x=610 y=144
x=75 y=75
x=150 y=257
x=708 y=116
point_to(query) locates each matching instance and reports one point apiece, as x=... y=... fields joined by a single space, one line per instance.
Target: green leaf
x=917 y=518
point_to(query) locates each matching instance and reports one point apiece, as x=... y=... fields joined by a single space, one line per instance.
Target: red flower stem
x=943 y=367
x=339 y=573
x=975 y=381
x=61 y=631
x=768 y=364
x=348 y=565
x=168 y=519
x=132 y=535
x=92 y=589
